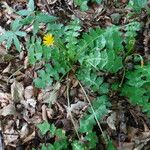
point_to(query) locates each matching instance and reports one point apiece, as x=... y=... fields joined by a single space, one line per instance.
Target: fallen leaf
x=30 y=137
x=50 y=94
x=17 y=91
x=10 y=136
x=28 y=92
x=111 y=120
x=24 y=131
x=5 y=99
x=7 y=69
x=8 y=110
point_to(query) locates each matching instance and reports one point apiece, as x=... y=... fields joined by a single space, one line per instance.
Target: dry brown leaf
x=3 y=51
x=7 y=69
x=8 y=9
x=28 y=92
x=77 y=107
x=111 y=120
x=50 y=113
x=26 y=62
x=30 y=137
x=127 y=146
x=29 y=106
x=17 y=91
x=10 y=136
x=44 y=115
x=51 y=1
x=24 y=131
x=50 y=94
x=5 y=99
x=1 y=32
x=8 y=110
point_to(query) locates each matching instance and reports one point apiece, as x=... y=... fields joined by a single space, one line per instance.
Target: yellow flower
x=48 y=39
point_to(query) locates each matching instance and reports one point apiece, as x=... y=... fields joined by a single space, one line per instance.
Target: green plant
x=137 y=5
x=130 y=34
x=93 y=54
x=60 y=143
x=100 y=106
x=136 y=88
x=12 y=36
x=83 y=3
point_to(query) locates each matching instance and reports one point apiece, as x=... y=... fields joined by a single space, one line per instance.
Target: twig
x=69 y=112
x=92 y=110
x=14 y=74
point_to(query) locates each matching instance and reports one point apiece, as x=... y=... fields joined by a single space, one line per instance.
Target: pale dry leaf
x=50 y=94
x=8 y=9
x=8 y=110
x=5 y=99
x=111 y=120
x=3 y=51
x=8 y=124
x=21 y=55
x=24 y=131
x=7 y=69
x=28 y=92
x=29 y=138
x=50 y=113
x=127 y=146
x=51 y=1
x=31 y=103
x=75 y=84
x=17 y=91
x=77 y=107
x=1 y=30
x=10 y=136
x=29 y=106
x=44 y=115
x=26 y=62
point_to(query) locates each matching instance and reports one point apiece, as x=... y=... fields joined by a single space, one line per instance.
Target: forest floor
x=23 y=106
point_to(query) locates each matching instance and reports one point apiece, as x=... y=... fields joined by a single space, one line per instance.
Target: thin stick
x=92 y=110
x=69 y=111
x=14 y=74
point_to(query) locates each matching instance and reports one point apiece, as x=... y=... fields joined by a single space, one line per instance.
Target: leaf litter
x=24 y=106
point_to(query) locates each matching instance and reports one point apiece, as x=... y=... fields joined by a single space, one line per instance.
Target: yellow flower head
x=48 y=39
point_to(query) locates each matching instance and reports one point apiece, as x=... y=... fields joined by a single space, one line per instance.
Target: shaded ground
x=22 y=106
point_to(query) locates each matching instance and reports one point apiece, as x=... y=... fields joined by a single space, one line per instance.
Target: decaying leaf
x=77 y=107
x=10 y=136
x=8 y=110
x=24 y=131
x=111 y=121
x=17 y=91
x=5 y=99
x=28 y=93
x=49 y=95
x=7 y=69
